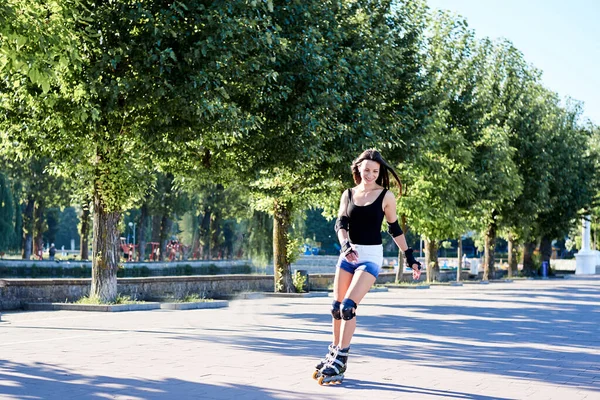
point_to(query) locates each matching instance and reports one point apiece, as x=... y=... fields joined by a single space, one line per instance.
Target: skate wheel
x=320 y=380
x=315 y=374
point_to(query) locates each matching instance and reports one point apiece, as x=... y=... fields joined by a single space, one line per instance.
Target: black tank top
x=365 y=221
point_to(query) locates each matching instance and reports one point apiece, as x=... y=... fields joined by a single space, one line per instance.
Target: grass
x=94 y=300
x=418 y=283
x=193 y=298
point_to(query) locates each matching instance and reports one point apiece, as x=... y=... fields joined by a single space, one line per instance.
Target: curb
x=247 y=296
x=477 y=282
x=91 y=307
x=378 y=289
x=296 y=295
x=408 y=286
x=194 y=305
x=454 y=283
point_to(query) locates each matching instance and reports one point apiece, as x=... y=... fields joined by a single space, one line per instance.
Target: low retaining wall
x=325 y=281
x=15 y=293
x=83 y=269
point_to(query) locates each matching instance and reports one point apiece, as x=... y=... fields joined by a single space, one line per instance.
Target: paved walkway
x=521 y=340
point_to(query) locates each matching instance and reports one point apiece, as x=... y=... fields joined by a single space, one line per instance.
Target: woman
x=358 y=229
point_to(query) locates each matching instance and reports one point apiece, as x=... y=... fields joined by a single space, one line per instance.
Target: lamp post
x=132 y=226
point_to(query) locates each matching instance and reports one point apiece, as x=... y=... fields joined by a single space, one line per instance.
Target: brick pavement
x=521 y=340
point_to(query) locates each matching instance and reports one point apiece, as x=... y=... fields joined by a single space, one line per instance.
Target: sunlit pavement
x=520 y=340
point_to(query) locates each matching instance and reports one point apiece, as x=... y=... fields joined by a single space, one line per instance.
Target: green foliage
x=299 y=282
x=95 y=300
x=67 y=228
x=212 y=113
x=573 y=179
x=194 y=298
x=437 y=173
x=258 y=244
x=293 y=248
x=446 y=244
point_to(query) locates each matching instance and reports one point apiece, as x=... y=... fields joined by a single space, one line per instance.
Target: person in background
x=52 y=251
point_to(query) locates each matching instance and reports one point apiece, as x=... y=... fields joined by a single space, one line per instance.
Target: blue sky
x=559 y=37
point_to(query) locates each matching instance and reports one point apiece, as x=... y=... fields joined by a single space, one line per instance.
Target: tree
x=573 y=181
x=40 y=190
x=530 y=130
x=127 y=84
x=344 y=75
x=497 y=178
x=438 y=179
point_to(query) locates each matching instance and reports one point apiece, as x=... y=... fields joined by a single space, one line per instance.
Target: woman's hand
x=413 y=264
x=352 y=257
x=349 y=252
x=416 y=271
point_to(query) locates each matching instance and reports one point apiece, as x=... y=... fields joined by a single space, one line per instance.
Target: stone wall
x=325 y=281
x=15 y=293
x=83 y=269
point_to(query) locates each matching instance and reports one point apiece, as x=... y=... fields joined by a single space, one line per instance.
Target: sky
x=559 y=37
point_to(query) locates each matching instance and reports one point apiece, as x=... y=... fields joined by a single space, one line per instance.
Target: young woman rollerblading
x=358 y=228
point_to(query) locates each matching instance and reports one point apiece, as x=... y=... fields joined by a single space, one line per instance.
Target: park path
x=520 y=340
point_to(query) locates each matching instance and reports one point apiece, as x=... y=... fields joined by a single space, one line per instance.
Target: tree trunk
x=528 y=267
x=156 y=222
x=39 y=226
x=594 y=235
x=142 y=232
x=281 y=224
x=512 y=259
x=489 y=260
x=195 y=247
x=105 y=252
x=28 y=228
x=546 y=250
x=400 y=270
x=205 y=234
x=460 y=255
x=165 y=230
x=216 y=235
x=431 y=261
x=18 y=237
x=84 y=233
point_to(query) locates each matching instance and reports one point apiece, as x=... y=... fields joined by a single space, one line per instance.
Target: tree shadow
x=46 y=381
x=552 y=341
x=356 y=384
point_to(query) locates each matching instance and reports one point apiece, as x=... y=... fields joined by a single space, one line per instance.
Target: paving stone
x=527 y=340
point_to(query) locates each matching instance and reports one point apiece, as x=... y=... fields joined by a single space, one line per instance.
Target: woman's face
x=369 y=171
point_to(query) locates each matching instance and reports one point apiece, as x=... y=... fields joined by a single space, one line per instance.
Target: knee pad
x=347 y=312
x=335 y=310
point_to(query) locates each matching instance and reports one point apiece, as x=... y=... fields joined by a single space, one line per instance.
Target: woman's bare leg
x=360 y=285
x=341 y=283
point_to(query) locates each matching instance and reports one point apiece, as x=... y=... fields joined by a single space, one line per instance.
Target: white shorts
x=370 y=259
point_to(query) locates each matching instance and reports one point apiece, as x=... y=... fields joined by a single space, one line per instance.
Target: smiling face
x=369 y=172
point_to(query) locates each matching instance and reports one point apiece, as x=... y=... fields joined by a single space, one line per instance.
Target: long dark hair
x=384 y=170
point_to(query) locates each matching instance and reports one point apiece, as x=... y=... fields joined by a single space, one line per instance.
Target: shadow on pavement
x=44 y=381
x=355 y=384
x=553 y=340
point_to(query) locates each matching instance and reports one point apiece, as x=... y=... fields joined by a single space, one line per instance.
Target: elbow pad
x=394 y=229
x=342 y=223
